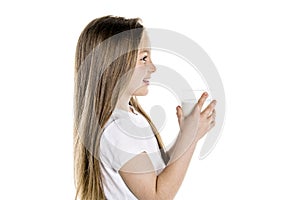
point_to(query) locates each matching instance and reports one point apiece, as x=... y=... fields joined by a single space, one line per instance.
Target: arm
x=147 y=185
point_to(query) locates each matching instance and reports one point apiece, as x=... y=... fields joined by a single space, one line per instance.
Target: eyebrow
x=145 y=51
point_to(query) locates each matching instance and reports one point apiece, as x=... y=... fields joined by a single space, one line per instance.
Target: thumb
x=179 y=114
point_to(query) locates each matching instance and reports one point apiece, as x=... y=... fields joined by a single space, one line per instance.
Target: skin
x=148 y=185
x=143 y=70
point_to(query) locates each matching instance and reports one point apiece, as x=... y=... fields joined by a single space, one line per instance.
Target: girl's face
x=138 y=85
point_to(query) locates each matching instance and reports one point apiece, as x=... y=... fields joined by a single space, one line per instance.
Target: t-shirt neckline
x=133 y=111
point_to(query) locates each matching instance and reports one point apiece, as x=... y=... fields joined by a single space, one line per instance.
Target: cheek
x=137 y=79
x=139 y=74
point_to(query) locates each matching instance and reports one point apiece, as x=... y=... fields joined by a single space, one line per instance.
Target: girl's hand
x=198 y=123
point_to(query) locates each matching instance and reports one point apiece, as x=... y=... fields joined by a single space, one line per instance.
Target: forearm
x=169 y=181
x=166 y=184
x=171 y=149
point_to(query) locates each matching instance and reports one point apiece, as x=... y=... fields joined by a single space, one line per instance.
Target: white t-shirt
x=125 y=136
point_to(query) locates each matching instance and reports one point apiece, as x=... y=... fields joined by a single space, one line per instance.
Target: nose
x=152 y=68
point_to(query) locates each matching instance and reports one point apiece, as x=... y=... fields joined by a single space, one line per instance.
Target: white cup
x=190 y=98
x=188 y=106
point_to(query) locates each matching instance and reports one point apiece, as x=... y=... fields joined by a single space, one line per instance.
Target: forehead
x=144 y=43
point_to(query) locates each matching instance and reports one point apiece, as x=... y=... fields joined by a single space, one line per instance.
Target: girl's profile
x=118 y=151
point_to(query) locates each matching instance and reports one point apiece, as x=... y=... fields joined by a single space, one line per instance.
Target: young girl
x=118 y=151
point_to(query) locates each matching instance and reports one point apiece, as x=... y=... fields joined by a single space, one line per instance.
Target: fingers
x=211 y=119
x=212 y=124
x=202 y=100
x=213 y=115
x=209 y=109
x=179 y=114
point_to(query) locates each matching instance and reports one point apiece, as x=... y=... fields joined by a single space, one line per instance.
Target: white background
x=254 y=44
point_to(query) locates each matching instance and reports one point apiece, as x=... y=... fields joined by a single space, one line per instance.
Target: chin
x=141 y=92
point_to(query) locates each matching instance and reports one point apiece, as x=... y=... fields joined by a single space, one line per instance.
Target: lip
x=147 y=80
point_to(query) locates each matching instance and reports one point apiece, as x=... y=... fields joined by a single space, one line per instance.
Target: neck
x=123 y=102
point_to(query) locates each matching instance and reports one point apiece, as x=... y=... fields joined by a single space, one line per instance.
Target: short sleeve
x=124 y=138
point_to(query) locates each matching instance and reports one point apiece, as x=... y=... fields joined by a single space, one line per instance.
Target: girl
x=118 y=151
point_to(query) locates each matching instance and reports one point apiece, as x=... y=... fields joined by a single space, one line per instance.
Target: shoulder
x=127 y=128
x=125 y=136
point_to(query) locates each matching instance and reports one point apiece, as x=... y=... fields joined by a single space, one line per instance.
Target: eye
x=144 y=59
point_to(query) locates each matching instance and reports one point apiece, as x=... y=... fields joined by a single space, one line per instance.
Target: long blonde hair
x=103 y=66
